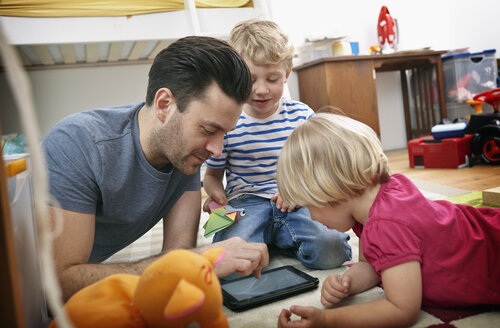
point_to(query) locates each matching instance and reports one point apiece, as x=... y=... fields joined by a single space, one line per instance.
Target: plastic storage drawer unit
x=443 y=153
x=467 y=74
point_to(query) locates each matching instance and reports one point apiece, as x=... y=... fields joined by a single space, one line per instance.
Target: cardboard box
x=492 y=196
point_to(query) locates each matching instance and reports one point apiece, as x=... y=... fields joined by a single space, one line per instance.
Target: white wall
x=60 y=92
x=439 y=24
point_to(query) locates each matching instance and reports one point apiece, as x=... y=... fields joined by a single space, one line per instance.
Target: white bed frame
x=216 y=22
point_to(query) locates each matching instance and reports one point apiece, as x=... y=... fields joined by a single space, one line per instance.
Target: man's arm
x=72 y=250
x=73 y=246
x=180 y=230
x=180 y=225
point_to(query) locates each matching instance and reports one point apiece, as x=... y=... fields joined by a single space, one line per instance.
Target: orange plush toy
x=180 y=289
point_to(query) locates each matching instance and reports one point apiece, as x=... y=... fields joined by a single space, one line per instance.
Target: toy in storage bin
x=467 y=74
x=440 y=153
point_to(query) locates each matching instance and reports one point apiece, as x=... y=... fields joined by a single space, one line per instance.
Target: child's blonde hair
x=262 y=42
x=330 y=158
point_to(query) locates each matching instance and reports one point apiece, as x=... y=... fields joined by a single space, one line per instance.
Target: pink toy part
x=213 y=205
x=220 y=258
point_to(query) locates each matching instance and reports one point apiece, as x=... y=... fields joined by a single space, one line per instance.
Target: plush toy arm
x=215 y=255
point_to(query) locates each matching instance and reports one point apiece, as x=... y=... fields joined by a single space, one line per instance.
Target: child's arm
x=357 y=279
x=212 y=183
x=400 y=307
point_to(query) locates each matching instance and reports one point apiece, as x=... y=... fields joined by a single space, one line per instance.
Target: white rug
x=267 y=315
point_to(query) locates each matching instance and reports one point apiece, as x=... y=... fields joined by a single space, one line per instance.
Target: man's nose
x=215 y=144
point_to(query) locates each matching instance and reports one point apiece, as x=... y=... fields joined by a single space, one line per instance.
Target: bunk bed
x=116 y=32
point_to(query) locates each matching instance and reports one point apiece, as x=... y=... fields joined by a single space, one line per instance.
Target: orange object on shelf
x=15 y=167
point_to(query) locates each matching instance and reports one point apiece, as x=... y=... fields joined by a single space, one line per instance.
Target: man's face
x=191 y=137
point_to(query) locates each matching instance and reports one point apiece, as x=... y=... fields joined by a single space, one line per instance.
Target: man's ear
x=164 y=104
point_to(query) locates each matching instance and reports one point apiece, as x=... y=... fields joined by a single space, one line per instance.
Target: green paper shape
x=216 y=222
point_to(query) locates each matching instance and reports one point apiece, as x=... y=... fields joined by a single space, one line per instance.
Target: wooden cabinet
x=349 y=83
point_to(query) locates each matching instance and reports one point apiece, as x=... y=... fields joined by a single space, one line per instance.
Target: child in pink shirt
x=425 y=252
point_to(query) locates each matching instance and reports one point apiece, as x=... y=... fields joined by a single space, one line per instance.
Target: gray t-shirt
x=96 y=165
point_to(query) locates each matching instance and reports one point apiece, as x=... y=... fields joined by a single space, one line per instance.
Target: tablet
x=275 y=284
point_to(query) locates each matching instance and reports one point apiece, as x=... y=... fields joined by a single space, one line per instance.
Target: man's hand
x=280 y=204
x=241 y=257
x=335 y=288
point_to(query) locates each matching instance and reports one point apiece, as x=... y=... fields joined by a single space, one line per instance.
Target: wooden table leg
x=406 y=104
x=440 y=86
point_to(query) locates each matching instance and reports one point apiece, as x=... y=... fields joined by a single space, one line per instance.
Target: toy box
x=467 y=74
x=440 y=153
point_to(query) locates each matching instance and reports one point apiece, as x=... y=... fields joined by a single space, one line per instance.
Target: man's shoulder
x=96 y=124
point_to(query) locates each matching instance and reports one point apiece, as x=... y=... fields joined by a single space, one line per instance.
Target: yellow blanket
x=81 y=8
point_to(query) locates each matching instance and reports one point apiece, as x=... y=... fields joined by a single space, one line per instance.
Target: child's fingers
x=221 y=199
x=329 y=300
x=284 y=318
x=332 y=290
x=346 y=283
x=333 y=283
x=305 y=312
x=206 y=208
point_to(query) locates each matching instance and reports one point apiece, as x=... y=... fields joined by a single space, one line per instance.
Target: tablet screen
x=251 y=287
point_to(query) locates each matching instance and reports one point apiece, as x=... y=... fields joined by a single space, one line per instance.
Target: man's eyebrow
x=214 y=125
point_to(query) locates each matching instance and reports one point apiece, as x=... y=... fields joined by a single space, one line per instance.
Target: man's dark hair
x=190 y=65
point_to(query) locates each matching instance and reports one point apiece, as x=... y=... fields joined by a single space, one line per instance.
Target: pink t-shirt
x=458 y=246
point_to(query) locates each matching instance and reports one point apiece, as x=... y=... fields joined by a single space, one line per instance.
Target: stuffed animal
x=180 y=289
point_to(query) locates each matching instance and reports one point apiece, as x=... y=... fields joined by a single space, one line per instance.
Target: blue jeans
x=313 y=244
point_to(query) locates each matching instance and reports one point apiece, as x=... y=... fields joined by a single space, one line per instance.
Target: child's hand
x=310 y=317
x=280 y=204
x=215 y=197
x=335 y=288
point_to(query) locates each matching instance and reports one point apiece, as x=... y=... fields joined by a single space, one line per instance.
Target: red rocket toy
x=387 y=30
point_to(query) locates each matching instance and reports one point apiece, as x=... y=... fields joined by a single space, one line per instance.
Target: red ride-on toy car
x=486 y=129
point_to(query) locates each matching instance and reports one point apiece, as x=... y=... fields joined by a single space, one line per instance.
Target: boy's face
x=267 y=88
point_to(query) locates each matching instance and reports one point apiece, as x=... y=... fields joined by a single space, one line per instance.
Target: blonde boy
x=251 y=151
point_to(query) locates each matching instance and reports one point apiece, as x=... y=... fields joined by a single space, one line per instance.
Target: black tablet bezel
x=233 y=304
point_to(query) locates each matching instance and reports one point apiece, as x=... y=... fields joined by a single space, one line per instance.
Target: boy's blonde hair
x=262 y=42
x=330 y=158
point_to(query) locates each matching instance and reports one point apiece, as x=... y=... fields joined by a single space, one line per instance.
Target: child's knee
x=326 y=251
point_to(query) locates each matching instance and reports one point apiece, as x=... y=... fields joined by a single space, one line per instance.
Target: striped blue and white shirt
x=251 y=151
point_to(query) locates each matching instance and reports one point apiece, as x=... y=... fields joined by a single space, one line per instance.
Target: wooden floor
x=479 y=177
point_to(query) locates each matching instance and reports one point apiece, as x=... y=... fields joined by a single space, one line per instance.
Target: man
x=116 y=172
